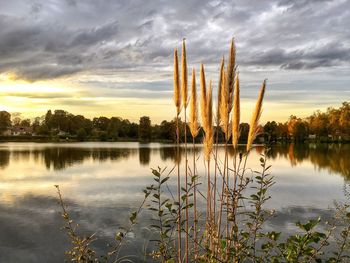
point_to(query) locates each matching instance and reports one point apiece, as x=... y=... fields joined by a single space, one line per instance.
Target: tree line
x=333 y=124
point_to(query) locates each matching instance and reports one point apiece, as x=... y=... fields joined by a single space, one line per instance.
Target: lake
x=102 y=183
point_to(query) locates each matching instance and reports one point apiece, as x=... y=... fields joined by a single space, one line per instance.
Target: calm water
x=102 y=184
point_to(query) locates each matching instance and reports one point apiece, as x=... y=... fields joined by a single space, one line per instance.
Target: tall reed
x=194 y=129
x=218 y=122
x=208 y=146
x=236 y=115
x=185 y=102
x=177 y=101
x=253 y=129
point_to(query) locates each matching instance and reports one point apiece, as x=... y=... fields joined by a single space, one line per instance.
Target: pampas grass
x=184 y=102
x=177 y=91
x=236 y=115
x=184 y=75
x=194 y=129
x=177 y=101
x=193 y=122
x=222 y=68
x=208 y=138
x=253 y=129
x=222 y=228
x=231 y=71
x=224 y=105
x=203 y=102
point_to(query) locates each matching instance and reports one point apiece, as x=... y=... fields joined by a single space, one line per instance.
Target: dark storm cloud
x=331 y=54
x=49 y=39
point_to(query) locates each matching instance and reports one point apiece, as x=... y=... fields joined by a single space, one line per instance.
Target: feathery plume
x=231 y=72
x=193 y=123
x=222 y=67
x=210 y=106
x=177 y=92
x=236 y=114
x=184 y=75
x=231 y=66
x=224 y=105
x=208 y=139
x=203 y=98
x=253 y=129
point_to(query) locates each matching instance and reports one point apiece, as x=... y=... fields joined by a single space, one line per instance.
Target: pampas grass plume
x=253 y=129
x=177 y=91
x=194 y=125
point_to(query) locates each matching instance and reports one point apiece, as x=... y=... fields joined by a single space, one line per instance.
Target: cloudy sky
x=114 y=57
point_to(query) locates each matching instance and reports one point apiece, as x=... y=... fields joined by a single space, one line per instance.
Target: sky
x=115 y=57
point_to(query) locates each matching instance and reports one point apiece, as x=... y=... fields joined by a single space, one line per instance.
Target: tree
x=297 y=128
x=319 y=123
x=114 y=128
x=5 y=121
x=81 y=134
x=36 y=125
x=25 y=123
x=344 y=118
x=101 y=123
x=145 y=132
x=167 y=130
x=244 y=130
x=48 y=117
x=282 y=131
x=133 y=130
x=270 y=129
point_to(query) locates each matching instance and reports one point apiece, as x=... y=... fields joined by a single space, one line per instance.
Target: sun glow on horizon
x=33 y=99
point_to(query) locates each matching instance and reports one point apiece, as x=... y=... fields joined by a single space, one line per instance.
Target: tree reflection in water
x=332 y=157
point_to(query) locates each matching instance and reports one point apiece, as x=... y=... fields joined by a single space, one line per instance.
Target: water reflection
x=144 y=155
x=332 y=157
x=102 y=184
x=4 y=159
x=60 y=158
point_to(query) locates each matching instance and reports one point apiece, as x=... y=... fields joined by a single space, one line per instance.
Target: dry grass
x=184 y=92
x=177 y=91
x=253 y=128
x=193 y=122
x=236 y=114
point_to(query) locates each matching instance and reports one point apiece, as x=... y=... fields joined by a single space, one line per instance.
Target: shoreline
x=47 y=139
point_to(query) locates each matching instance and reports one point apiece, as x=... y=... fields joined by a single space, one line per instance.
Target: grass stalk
x=177 y=100
x=184 y=102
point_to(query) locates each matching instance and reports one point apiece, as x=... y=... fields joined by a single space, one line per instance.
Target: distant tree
x=282 y=131
x=297 y=128
x=101 y=123
x=133 y=130
x=300 y=131
x=16 y=121
x=81 y=134
x=114 y=128
x=270 y=130
x=244 y=130
x=5 y=121
x=103 y=136
x=36 y=125
x=167 y=130
x=60 y=120
x=48 y=118
x=344 y=118
x=319 y=124
x=25 y=123
x=145 y=132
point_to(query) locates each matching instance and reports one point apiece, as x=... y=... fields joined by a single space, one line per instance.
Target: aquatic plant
x=230 y=228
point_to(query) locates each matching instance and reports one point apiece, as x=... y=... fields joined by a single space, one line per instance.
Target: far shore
x=72 y=139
